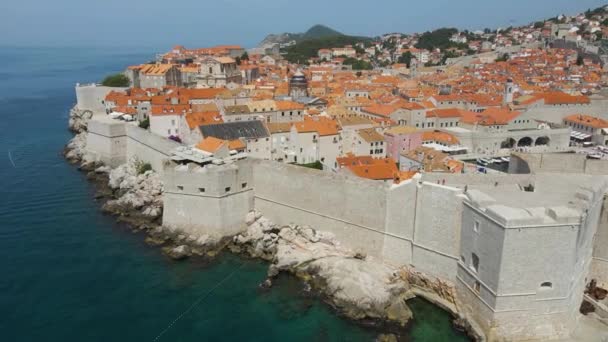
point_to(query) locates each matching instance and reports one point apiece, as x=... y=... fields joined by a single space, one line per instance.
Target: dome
x=298 y=79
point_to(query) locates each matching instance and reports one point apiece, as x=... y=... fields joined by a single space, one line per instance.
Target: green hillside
x=320 y=31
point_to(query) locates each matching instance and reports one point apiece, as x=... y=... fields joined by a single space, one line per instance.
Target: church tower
x=508 y=94
x=298 y=86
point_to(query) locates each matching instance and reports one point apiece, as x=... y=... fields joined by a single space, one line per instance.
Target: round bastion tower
x=298 y=86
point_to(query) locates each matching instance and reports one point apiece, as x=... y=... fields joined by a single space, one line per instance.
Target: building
x=218 y=72
x=426 y=159
x=298 y=86
x=325 y=54
x=253 y=134
x=500 y=130
x=165 y=120
x=587 y=128
x=156 y=76
x=314 y=139
x=401 y=139
x=368 y=142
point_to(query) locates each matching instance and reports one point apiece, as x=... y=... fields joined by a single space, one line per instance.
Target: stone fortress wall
x=424 y=222
x=573 y=164
x=114 y=142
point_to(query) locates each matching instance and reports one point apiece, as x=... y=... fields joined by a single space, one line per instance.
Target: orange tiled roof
x=170 y=109
x=380 y=110
x=203 y=118
x=489 y=117
x=155 y=69
x=211 y=144
x=289 y=105
x=439 y=136
x=322 y=125
x=370 y=168
x=236 y=144
x=587 y=120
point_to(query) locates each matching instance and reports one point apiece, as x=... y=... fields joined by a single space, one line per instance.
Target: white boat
x=497 y=160
x=505 y=159
x=594 y=156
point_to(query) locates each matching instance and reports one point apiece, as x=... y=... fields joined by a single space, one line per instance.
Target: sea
x=70 y=273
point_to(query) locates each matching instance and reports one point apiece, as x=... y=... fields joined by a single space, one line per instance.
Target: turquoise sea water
x=70 y=273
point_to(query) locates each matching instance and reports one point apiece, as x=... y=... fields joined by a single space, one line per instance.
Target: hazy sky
x=194 y=23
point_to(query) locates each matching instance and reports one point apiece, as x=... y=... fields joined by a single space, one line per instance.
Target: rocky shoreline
x=357 y=286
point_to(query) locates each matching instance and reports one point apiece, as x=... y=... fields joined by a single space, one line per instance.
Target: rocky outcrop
x=76 y=148
x=136 y=190
x=359 y=287
x=78 y=120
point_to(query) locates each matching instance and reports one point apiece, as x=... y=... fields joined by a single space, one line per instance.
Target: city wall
x=398 y=223
x=522 y=163
x=573 y=163
x=91 y=96
x=107 y=141
x=210 y=200
x=148 y=147
x=113 y=142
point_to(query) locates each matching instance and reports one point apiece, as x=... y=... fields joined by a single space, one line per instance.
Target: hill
x=305 y=49
x=317 y=31
x=439 y=38
x=320 y=31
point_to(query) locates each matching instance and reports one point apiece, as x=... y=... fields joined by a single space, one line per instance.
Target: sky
x=198 y=23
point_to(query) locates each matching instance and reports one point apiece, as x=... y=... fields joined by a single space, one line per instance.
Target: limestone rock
x=359 y=287
x=179 y=252
x=250 y=218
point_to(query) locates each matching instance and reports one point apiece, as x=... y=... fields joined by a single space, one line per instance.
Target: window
x=168 y=132
x=201 y=190
x=475 y=262
x=244 y=185
x=463 y=259
x=180 y=188
x=546 y=285
x=227 y=189
x=477 y=286
x=476 y=226
x=172 y=122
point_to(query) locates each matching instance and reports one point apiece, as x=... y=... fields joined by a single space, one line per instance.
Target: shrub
x=142 y=167
x=116 y=80
x=316 y=165
x=145 y=124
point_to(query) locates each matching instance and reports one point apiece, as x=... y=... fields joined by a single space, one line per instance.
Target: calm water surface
x=70 y=273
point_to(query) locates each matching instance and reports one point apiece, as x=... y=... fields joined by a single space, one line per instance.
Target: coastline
x=134 y=198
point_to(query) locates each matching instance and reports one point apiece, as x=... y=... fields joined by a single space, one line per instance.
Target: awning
x=579 y=135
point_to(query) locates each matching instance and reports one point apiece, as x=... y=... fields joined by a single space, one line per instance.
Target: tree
x=406 y=58
x=438 y=39
x=245 y=56
x=539 y=24
x=503 y=58
x=358 y=64
x=238 y=60
x=116 y=80
x=359 y=74
x=579 y=60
